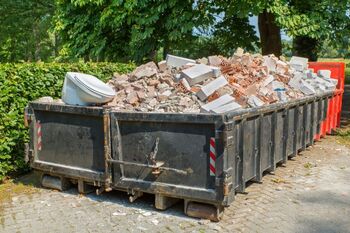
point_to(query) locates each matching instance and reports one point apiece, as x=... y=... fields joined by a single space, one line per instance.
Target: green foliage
x=24 y=30
x=125 y=30
x=318 y=19
x=20 y=83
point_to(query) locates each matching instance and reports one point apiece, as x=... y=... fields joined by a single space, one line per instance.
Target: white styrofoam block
x=226 y=108
x=197 y=74
x=295 y=81
x=175 y=61
x=254 y=101
x=277 y=85
x=307 y=88
x=225 y=99
x=216 y=71
x=299 y=63
x=324 y=73
x=211 y=87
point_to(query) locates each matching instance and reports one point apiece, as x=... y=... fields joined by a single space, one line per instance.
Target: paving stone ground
x=310 y=194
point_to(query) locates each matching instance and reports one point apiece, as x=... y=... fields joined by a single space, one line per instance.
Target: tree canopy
x=24 y=30
x=140 y=30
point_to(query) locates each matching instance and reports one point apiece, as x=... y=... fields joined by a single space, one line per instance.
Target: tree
x=126 y=30
x=308 y=22
x=24 y=30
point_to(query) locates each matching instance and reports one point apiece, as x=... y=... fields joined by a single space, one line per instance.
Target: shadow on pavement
x=144 y=203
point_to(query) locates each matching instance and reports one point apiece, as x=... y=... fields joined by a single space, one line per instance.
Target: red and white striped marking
x=38 y=130
x=212 y=157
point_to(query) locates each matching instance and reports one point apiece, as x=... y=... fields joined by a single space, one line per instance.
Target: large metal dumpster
x=203 y=159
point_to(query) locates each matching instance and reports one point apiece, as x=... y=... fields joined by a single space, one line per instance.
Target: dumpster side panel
x=71 y=140
x=279 y=138
x=190 y=155
x=266 y=142
x=291 y=132
x=249 y=143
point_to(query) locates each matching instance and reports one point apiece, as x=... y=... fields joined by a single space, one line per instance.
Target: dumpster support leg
x=162 y=202
x=202 y=210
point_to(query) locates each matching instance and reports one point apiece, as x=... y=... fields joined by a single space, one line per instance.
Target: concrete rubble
x=216 y=84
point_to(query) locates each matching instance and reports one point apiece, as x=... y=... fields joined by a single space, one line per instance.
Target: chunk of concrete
x=177 y=78
x=197 y=74
x=264 y=91
x=203 y=60
x=144 y=71
x=254 y=101
x=226 y=108
x=282 y=96
x=299 y=63
x=185 y=84
x=175 y=61
x=270 y=63
x=295 y=81
x=214 y=60
x=162 y=66
x=239 y=52
x=268 y=80
x=211 y=87
x=225 y=99
x=278 y=86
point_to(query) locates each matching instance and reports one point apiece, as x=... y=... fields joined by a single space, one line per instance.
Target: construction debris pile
x=216 y=84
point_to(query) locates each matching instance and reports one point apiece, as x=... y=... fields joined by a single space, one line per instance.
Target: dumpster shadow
x=31 y=179
x=143 y=203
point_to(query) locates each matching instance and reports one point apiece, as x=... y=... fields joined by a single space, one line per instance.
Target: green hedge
x=20 y=83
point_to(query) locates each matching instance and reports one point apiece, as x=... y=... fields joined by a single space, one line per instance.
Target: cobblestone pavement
x=310 y=194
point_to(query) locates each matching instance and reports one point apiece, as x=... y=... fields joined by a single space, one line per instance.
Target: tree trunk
x=304 y=46
x=270 y=34
x=165 y=49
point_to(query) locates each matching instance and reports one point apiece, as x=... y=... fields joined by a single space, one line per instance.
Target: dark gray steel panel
x=300 y=127
x=181 y=146
x=72 y=140
x=250 y=148
x=308 y=123
x=266 y=143
x=291 y=131
x=279 y=137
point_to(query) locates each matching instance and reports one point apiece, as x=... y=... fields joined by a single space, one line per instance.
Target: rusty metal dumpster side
x=264 y=137
x=174 y=155
x=67 y=141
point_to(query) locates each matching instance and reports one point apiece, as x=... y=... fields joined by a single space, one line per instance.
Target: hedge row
x=20 y=83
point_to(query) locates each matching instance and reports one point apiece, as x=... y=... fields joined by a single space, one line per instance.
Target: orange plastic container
x=332 y=120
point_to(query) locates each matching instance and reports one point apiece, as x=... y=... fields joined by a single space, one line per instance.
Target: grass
x=12 y=187
x=343 y=136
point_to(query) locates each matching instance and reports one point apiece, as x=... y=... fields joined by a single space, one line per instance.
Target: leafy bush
x=20 y=83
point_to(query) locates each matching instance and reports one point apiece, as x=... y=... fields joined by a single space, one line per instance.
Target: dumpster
x=203 y=159
x=332 y=120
